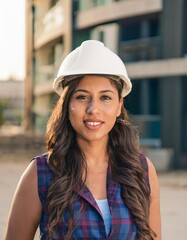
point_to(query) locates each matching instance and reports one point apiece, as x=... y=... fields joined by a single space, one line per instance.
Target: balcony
x=91 y=15
x=51 y=26
x=44 y=79
x=140 y=49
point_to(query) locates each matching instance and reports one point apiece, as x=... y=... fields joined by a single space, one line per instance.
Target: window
x=185 y=28
x=144 y=105
x=53 y=2
x=140 y=39
x=184 y=115
x=131 y=31
x=144 y=98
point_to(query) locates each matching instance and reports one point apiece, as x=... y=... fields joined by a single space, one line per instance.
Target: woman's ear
x=120 y=106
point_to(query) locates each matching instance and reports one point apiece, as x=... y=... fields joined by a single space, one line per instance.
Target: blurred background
x=151 y=38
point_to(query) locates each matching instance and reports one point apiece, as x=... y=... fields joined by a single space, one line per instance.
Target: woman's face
x=93 y=108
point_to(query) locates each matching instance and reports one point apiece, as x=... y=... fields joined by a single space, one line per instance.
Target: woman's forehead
x=95 y=82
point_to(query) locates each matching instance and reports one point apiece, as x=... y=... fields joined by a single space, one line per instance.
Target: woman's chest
x=89 y=219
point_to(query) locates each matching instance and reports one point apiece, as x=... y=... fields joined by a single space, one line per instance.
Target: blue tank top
x=105 y=210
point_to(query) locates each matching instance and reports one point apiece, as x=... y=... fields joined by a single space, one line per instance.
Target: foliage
x=3 y=106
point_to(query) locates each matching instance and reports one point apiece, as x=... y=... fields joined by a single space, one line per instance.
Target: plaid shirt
x=90 y=224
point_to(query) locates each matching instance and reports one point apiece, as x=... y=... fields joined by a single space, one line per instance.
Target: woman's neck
x=95 y=176
x=95 y=152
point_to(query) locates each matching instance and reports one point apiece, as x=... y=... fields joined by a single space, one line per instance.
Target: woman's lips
x=93 y=124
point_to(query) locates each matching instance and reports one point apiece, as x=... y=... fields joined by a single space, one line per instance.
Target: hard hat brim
x=58 y=86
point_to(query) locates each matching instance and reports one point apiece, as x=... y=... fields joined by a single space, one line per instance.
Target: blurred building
x=48 y=40
x=11 y=102
x=149 y=35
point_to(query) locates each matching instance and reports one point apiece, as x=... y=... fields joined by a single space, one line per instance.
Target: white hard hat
x=92 y=57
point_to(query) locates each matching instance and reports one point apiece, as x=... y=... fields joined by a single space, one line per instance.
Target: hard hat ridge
x=92 y=57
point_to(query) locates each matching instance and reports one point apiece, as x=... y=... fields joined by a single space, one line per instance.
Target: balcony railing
x=140 y=49
x=88 y=4
x=50 y=25
x=84 y=5
x=44 y=73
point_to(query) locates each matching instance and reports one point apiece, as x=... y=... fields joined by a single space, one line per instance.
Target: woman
x=94 y=182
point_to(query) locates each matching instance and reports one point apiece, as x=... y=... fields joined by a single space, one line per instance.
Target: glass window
x=154 y=27
x=185 y=28
x=131 y=31
x=140 y=39
x=144 y=98
x=53 y=2
x=144 y=105
x=154 y=106
x=184 y=114
x=79 y=37
x=132 y=101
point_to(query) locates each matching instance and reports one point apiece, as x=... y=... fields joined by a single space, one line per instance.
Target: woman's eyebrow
x=106 y=91
x=86 y=91
x=81 y=90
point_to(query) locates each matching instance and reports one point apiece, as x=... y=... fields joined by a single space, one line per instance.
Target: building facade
x=48 y=41
x=150 y=37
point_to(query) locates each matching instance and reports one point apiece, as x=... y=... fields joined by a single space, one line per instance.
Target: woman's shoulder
x=41 y=160
x=144 y=161
x=153 y=179
x=43 y=169
x=151 y=175
x=25 y=205
x=42 y=164
x=147 y=164
x=44 y=175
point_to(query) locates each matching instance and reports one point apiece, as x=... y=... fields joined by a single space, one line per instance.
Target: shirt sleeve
x=155 y=218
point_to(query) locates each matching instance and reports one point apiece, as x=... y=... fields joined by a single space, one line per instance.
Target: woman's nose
x=93 y=107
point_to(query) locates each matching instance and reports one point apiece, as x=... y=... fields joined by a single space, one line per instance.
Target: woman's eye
x=105 y=97
x=82 y=97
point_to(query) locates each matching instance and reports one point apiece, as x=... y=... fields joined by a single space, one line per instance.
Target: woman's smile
x=93 y=124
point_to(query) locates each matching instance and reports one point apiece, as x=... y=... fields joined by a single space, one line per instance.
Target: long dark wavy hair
x=68 y=163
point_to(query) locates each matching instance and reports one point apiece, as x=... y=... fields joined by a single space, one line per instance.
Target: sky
x=12 y=39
